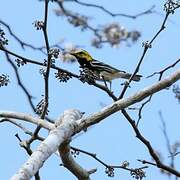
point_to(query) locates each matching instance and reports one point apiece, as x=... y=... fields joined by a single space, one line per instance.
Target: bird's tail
x=128 y=75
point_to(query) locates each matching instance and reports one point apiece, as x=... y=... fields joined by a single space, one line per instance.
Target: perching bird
x=101 y=70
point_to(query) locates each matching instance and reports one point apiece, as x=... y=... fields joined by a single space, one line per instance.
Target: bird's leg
x=105 y=83
x=110 y=85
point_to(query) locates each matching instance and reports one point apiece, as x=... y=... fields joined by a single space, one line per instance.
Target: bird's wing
x=100 y=66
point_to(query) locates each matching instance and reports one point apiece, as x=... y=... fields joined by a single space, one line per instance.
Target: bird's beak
x=73 y=56
x=71 y=53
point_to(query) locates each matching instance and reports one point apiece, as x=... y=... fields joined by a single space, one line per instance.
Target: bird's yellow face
x=81 y=54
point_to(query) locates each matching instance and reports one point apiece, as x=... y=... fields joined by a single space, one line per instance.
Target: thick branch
x=71 y=164
x=66 y=125
x=125 y=102
x=69 y=124
x=26 y=117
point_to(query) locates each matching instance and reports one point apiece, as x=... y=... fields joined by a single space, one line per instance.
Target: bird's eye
x=80 y=54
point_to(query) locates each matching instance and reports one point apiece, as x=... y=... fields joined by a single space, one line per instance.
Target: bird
x=102 y=71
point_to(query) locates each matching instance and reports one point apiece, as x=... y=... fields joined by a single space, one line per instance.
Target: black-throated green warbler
x=101 y=70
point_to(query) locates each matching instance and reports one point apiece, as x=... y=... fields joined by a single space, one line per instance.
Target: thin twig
x=28 y=95
x=37 y=62
x=149 y=11
x=164 y=70
x=160 y=77
x=59 y=69
x=21 y=42
x=141 y=108
x=19 y=125
x=105 y=164
x=147 y=162
x=168 y=144
x=147 y=45
x=153 y=154
x=46 y=77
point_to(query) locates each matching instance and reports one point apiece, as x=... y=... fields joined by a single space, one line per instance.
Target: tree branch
x=28 y=118
x=125 y=102
x=153 y=154
x=149 y=11
x=46 y=77
x=19 y=81
x=70 y=163
x=146 y=45
x=65 y=126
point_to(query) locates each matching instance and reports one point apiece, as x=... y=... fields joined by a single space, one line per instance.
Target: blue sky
x=113 y=139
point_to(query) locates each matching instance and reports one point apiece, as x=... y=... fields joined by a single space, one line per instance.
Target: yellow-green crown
x=80 y=53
